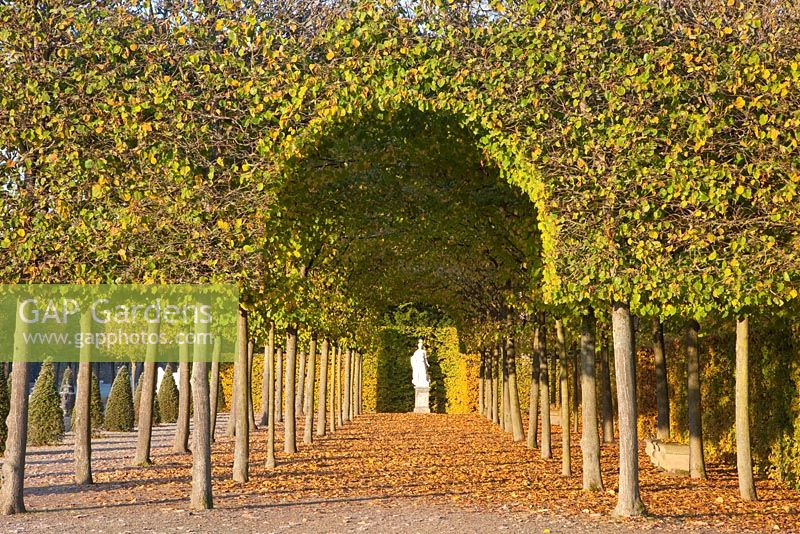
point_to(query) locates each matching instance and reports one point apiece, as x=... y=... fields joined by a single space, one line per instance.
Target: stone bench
x=671 y=457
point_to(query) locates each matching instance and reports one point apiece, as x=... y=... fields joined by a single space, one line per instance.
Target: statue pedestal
x=422 y=400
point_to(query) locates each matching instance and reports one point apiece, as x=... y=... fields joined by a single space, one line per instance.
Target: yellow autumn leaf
x=330 y=55
x=739 y=102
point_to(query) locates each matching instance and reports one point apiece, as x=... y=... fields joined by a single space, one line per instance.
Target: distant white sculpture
x=419 y=367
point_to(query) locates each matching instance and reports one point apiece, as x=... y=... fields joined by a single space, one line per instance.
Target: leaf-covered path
x=380 y=473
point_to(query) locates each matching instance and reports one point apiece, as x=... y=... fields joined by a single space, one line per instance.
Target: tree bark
x=533 y=404
x=576 y=393
x=241 y=450
x=83 y=401
x=495 y=375
x=299 y=397
x=506 y=393
x=323 y=388
x=348 y=384
x=290 y=421
x=662 y=386
x=268 y=350
x=744 y=461
x=517 y=429
x=334 y=417
x=145 y=430
x=11 y=497
x=308 y=429
x=697 y=464
x=279 y=386
x=214 y=394
x=590 y=440
x=339 y=408
x=181 y=443
x=481 y=385
x=11 y=493
x=606 y=405
x=251 y=413
x=231 y=428
x=271 y=403
x=360 y=388
x=544 y=387
x=629 y=503
x=201 y=498
x=566 y=457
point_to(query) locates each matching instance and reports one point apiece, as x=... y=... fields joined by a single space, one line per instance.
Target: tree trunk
x=506 y=393
x=201 y=498
x=347 y=409
x=354 y=406
x=308 y=430
x=241 y=450
x=11 y=493
x=214 y=394
x=83 y=401
x=533 y=404
x=279 y=386
x=231 y=428
x=339 y=408
x=181 y=443
x=360 y=381
x=299 y=397
x=566 y=458
x=323 y=389
x=481 y=385
x=662 y=387
x=334 y=418
x=697 y=464
x=606 y=406
x=744 y=462
x=629 y=503
x=544 y=386
x=495 y=356
x=269 y=350
x=590 y=440
x=251 y=413
x=576 y=392
x=516 y=417
x=271 y=402
x=146 y=400
x=290 y=421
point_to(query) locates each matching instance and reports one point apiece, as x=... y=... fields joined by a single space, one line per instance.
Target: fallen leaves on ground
x=458 y=459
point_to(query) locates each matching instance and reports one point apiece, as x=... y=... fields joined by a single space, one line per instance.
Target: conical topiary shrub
x=45 y=417
x=168 y=397
x=96 y=408
x=119 y=406
x=4 y=406
x=137 y=397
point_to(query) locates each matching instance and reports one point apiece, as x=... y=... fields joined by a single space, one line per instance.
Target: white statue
x=419 y=366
